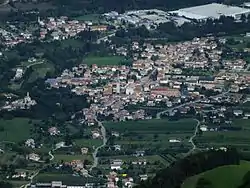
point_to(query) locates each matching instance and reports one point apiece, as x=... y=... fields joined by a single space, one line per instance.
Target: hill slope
x=229 y=176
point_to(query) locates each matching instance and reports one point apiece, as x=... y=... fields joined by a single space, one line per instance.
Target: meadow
x=229 y=176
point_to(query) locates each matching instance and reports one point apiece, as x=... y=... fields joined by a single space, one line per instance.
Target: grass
x=229 y=176
x=68 y=158
x=15 y=130
x=101 y=61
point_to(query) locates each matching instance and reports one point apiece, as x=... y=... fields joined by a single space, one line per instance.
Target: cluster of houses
x=63 y=28
x=25 y=103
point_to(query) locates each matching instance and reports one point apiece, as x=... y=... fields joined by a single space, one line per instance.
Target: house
x=115 y=167
x=139 y=153
x=174 y=141
x=143 y=177
x=115 y=134
x=33 y=157
x=84 y=151
x=203 y=128
x=96 y=134
x=53 y=131
x=117 y=147
x=238 y=112
x=30 y=143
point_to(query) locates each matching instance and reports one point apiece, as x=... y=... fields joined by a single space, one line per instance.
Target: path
x=36 y=63
x=191 y=140
x=104 y=142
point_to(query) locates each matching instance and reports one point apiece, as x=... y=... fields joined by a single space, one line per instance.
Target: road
x=105 y=38
x=104 y=142
x=191 y=140
x=51 y=156
x=36 y=63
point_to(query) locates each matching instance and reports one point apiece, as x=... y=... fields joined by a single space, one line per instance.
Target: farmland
x=238 y=139
x=229 y=176
x=151 y=136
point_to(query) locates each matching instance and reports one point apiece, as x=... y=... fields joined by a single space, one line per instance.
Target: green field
x=100 y=61
x=222 y=177
x=15 y=130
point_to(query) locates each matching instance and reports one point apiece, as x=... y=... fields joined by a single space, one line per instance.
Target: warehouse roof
x=213 y=10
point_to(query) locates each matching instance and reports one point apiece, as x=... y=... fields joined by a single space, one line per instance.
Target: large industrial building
x=212 y=11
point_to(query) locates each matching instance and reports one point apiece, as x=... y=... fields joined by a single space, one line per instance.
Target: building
x=212 y=11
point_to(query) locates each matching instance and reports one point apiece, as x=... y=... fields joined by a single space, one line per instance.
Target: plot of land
x=222 y=177
x=15 y=130
x=107 y=60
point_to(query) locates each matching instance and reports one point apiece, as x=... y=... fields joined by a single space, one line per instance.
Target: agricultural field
x=10 y=128
x=152 y=136
x=68 y=179
x=159 y=132
x=101 y=61
x=238 y=138
x=230 y=176
x=69 y=158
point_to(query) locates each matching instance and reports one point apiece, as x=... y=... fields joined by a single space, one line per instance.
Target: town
x=122 y=111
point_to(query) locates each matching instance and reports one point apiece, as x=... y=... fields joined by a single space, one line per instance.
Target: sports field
x=101 y=61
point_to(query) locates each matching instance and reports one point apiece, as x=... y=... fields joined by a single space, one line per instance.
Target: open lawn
x=222 y=177
x=15 y=130
x=100 y=61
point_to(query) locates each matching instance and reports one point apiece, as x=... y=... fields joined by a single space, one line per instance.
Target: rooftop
x=213 y=10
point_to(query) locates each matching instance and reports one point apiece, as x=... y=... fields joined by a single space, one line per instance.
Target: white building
x=213 y=11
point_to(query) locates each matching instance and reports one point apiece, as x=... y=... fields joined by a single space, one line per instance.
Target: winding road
x=104 y=142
